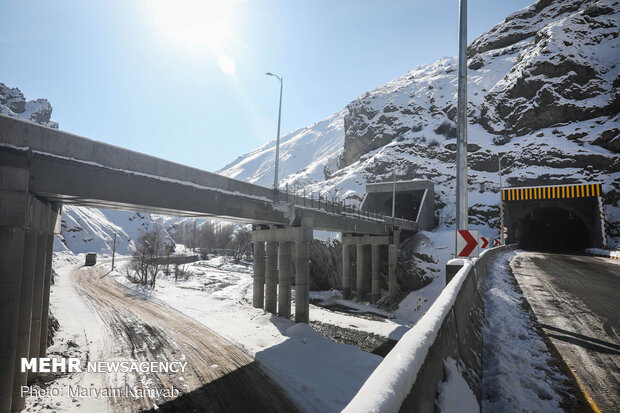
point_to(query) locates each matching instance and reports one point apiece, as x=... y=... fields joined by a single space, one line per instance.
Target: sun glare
x=195 y=23
x=227 y=65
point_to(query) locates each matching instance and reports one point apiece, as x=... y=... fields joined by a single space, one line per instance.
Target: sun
x=195 y=23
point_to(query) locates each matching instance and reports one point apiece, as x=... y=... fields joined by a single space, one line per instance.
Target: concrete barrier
x=408 y=377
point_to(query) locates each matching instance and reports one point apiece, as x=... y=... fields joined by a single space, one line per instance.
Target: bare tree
x=145 y=262
x=241 y=243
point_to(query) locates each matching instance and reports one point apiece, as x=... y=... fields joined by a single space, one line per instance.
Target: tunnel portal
x=561 y=218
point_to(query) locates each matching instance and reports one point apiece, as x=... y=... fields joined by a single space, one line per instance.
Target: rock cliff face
x=13 y=103
x=542 y=89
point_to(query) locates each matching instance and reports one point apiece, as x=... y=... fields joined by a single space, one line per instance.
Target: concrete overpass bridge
x=43 y=168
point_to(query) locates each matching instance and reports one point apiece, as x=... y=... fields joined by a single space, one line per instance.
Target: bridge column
x=360 y=270
x=15 y=217
x=302 y=280
x=258 y=298
x=37 y=299
x=271 y=277
x=54 y=217
x=18 y=402
x=284 y=284
x=376 y=286
x=346 y=268
x=392 y=261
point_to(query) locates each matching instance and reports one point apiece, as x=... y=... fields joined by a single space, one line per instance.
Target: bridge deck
x=72 y=169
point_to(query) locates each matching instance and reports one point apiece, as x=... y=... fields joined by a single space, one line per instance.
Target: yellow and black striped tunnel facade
x=551 y=192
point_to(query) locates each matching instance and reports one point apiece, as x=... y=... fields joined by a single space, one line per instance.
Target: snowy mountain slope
x=85 y=229
x=306 y=155
x=542 y=88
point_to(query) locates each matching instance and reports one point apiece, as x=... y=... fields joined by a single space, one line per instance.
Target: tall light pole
x=275 y=178
x=461 y=126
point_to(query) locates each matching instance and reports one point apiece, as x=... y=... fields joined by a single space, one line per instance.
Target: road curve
x=219 y=376
x=577 y=302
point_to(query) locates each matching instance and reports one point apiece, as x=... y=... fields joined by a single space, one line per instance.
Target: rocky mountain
x=13 y=103
x=542 y=89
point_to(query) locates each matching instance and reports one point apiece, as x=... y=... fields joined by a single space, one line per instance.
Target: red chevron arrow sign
x=466 y=243
x=484 y=241
x=496 y=242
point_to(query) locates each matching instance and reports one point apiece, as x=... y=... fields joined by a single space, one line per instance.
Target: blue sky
x=185 y=80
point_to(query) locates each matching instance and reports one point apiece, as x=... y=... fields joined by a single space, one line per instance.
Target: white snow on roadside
x=318 y=374
x=75 y=338
x=516 y=370
x=454 y=394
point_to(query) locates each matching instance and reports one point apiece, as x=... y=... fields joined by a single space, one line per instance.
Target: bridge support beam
x=271 y=277
x=284 y=281
x=277 y=282
x=258 y=297
x=346 y=270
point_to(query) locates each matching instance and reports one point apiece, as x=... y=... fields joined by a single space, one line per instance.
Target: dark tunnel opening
x=407 y=206
x=552 y=229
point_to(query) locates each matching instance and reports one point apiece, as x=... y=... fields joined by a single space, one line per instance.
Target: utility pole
x=113 y=251
x=461 y=125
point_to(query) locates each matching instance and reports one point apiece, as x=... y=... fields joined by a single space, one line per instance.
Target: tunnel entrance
x=561 y=218
x=552 y=229
x=406 y=206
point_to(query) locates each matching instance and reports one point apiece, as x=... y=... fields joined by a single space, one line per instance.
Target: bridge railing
x=335 y=206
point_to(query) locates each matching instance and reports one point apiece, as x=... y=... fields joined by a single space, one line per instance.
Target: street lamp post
x=275 y=178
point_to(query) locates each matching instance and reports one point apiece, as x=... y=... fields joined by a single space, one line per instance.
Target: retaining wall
x=407 y=378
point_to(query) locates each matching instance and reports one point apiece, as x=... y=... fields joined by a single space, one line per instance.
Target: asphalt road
x=220 y=377
x=577 y=302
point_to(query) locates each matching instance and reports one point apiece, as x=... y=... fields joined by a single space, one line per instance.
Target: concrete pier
x=258 y=296
x=18 y=402
x=284 y=282
x=369 y=262
x=271 y=277
x=392 y=263
x=376 y=286
x=360 y=271
x=346 y=270
x=302 y=281
x=392 y=280
x=46 y=291
x=11 y=262
x=279 y=269
x=37 y=300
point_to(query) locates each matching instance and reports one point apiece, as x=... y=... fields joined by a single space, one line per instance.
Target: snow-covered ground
x=319 y=374
x=517 y=374
x=75 y=338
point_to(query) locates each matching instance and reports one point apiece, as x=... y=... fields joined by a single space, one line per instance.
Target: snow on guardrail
x=388 y=386
x=604 y=253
